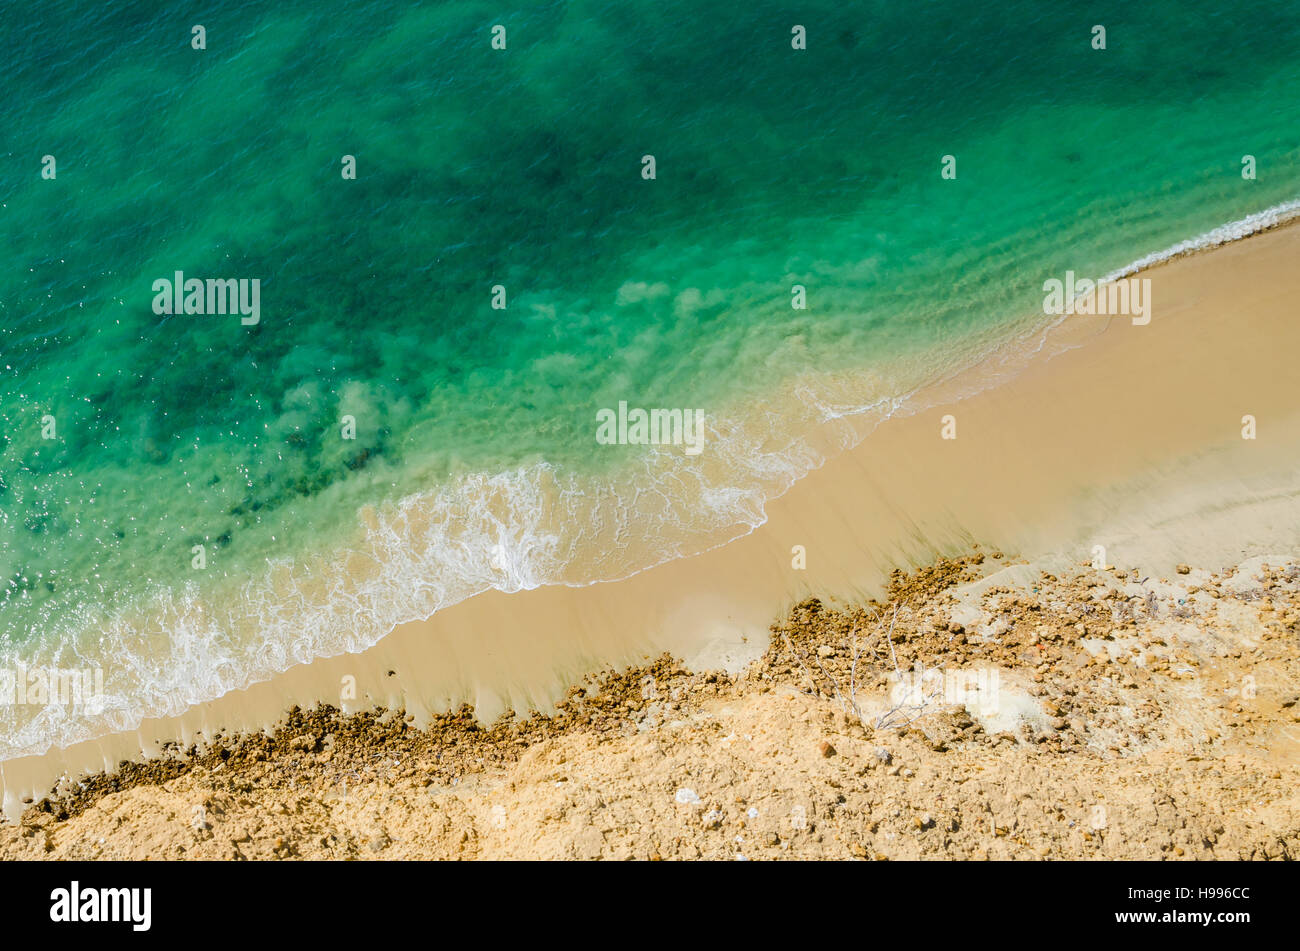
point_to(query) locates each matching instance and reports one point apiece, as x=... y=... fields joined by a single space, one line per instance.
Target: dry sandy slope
x=1130 y=718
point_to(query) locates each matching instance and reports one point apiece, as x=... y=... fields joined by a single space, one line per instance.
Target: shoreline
x=1020 y=475
x=1001 y=712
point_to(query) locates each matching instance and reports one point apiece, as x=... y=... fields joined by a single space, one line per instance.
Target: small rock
x=687 y=797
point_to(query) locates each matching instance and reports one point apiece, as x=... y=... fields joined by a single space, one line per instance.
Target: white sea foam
x=508 y=531
x=1224 y=234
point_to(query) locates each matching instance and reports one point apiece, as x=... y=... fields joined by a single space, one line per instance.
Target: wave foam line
x=1224 y=234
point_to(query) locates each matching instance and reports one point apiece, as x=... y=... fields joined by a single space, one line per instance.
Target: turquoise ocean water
x=475 y=463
